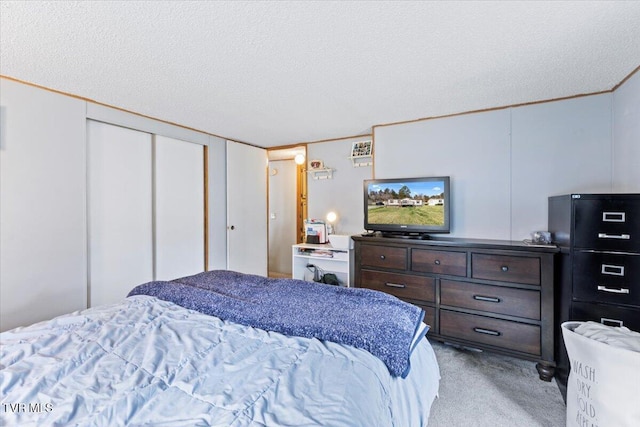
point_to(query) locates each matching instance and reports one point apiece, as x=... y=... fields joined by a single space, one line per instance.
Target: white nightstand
x=327 y=258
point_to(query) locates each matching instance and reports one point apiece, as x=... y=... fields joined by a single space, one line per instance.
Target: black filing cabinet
x=598 y=273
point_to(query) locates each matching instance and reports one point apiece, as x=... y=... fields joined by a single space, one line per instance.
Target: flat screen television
x=407 y=207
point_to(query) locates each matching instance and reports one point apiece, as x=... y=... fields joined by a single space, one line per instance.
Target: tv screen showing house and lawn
x=407 y=205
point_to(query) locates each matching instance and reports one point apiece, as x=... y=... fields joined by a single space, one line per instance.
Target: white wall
x=43 y=230
x=341 y=194
x=626 y=136
x=472 y=149
x=504 y=164
x=557 y=148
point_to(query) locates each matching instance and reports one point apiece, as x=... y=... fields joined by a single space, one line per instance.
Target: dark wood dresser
x=486 y=294
x=598 y=271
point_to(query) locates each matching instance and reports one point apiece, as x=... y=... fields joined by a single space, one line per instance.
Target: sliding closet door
x=179 y=208
x=247 y=208
x=119 y=211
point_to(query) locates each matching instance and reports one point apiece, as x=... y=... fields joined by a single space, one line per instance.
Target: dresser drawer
x=607 y=314
x=429 y=316
x=495 y=332
x=384 y=257
x=439 y=262
x=494 y=299
x=606 y=277
x=506 y=268
x=400 y=285
x=607 y=224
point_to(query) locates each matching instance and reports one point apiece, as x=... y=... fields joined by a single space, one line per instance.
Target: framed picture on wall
x=316 y=164
x=361 y=149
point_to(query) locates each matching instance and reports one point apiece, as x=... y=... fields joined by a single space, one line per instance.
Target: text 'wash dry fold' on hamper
x=604 y=382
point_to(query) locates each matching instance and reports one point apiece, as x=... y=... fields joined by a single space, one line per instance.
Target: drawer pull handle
x=611 y=322
x=614 y=236
x=487 y=332
x=613 y=290
x=382 y=257
x=396 y=285
x=487 y=299
x=504 y=268
x=614 y=270
x=436 y=262
x=614 y=216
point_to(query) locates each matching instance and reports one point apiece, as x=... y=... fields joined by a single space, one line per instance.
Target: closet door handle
x=614 y=236
x=613 y=290
x=487 y=332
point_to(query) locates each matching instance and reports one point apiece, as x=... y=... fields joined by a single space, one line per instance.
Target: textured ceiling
x=275 y=73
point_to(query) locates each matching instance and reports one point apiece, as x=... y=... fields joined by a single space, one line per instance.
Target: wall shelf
x=321 y=173
x=360 y=161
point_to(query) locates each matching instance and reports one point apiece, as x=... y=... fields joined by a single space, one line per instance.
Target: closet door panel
x=247 y=208
x=119 y=211
x=179 y=208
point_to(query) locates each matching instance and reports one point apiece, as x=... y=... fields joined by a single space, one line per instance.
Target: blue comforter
x=145 y=361
x=363 y=318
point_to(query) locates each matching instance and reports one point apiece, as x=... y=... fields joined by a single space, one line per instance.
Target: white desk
x=337 y=261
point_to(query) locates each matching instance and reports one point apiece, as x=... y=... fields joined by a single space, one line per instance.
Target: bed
x=224 y=349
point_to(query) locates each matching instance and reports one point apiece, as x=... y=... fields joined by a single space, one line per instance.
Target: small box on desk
x=341 y=241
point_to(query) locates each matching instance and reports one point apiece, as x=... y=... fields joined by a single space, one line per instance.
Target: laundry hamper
x=603 y=389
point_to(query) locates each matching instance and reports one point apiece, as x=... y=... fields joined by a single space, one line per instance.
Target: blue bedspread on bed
x=374 y=321
x=148 y=362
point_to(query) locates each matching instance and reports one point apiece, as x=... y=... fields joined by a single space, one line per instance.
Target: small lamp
x=299 y=159
x=331 y=219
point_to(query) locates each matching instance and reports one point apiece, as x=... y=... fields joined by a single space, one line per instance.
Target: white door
x=283 y=230
x=119 y=211
x=179 y=208
x=246 y=208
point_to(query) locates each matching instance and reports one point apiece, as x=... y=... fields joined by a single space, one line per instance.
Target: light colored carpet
x=482 y=389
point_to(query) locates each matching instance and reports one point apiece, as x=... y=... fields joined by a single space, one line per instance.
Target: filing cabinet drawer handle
x=504 y=268
x=395 y=285
x=487 y=299
x=613 y=290
x=487 y=332
x=611 y=322
x=614 y=236
x=614 y=270
x=614 y=216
